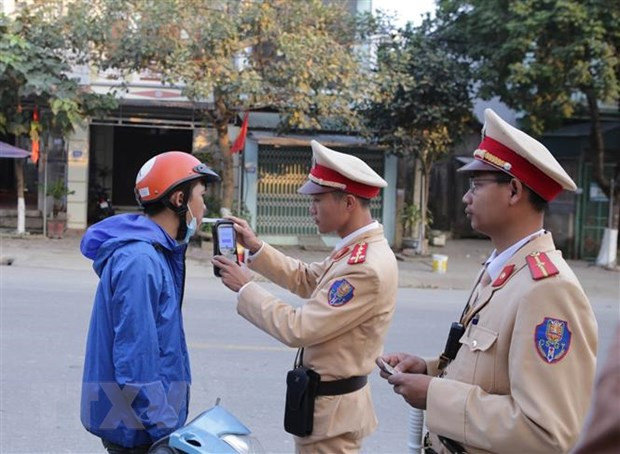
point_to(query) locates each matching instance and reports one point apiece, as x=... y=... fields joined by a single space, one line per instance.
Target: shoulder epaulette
x=358 y=255
x=540 y=266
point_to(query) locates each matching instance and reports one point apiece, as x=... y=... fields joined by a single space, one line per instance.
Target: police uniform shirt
x=522 y=379
x=351 y=297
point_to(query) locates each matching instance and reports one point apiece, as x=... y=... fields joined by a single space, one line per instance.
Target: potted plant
x=57 y=222
x=410 y=219
x=410 y=216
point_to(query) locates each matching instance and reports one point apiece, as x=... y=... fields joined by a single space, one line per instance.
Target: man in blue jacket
x=136 y=379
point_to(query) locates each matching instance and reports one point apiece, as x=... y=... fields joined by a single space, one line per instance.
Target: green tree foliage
x=34 y=68
x=422 y=104
x=298 y=58
x=552 y=59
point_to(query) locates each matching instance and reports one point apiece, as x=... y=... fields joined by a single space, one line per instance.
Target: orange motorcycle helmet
x=161 y=174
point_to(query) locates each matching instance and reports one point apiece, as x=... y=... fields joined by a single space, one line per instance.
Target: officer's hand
x=403 y=362
x=413 y=387
x=245 y=236
x=233 y=276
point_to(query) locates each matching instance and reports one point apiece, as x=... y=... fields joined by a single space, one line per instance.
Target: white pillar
x=389 y=197
x=77 y=177
x=607 y=254
x=21 y=216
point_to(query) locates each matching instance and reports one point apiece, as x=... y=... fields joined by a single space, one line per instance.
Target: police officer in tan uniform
x=351 y=296
x=517 y=372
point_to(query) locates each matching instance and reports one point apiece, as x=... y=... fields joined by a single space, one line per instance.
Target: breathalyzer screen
x=226 y=238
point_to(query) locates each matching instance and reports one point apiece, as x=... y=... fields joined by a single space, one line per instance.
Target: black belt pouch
x=301 y=387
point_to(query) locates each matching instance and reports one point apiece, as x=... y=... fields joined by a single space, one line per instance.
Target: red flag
x=34 y=135
x=239 y=143
x=35 y=151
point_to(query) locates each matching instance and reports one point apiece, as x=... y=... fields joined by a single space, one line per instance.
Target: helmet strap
x=181 y=211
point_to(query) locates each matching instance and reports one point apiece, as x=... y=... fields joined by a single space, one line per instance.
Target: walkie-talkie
x=452 y=345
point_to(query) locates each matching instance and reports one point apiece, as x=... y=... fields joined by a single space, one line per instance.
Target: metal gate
x=281 y=170
x=594 y=214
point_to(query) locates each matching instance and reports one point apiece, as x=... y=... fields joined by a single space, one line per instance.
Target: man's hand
x=402 y=362
x=245 y=236
x=233 y=276
x=413 y=387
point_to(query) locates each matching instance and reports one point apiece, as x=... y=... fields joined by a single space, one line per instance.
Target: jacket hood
x=103 y=238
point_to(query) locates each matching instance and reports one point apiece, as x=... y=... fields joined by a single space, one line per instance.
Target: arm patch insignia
x=552 y=338
x=340 y=293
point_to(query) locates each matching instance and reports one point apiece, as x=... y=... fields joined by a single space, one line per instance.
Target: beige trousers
x=343 y=444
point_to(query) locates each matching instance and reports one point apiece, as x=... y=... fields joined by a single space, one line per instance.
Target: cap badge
x=485 y=155
x=540 y=266
x=552 y=339
x=323 y=182
x=359 y=254
x=340 y=293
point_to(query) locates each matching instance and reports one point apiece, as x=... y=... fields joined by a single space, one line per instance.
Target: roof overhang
x=329 y=140
x=10 y=151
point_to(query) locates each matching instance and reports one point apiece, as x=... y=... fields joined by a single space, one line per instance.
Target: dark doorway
x=8 y=183
x=133 y=147
x=8 y=188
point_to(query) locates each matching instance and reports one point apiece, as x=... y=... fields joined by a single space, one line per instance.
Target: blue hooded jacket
x=135 y=387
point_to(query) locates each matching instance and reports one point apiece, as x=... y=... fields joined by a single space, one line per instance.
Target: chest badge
x=359 y=254
x=503 y=276
x=339 y=254
x=552 y=339
x=340 y=293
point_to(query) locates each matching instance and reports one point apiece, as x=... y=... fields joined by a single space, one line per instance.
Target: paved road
x=44 y=315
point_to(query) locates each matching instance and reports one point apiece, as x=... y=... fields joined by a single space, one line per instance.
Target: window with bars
x=281 y=171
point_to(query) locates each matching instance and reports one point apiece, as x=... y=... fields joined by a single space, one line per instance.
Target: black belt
x=452 y=446
x=344 y=386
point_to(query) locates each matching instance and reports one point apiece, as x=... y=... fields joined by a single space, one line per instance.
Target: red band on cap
x=353 y=187
x=521 y=168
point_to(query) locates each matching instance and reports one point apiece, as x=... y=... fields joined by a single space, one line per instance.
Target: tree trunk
x=422 y=228
x=422 y=244
x=597 y=147
x=21 y=205
x=228 y=182
x=406 y=173
x=606 y=257
x=425 y=191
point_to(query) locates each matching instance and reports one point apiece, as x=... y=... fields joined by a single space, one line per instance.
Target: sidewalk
x=465 y=257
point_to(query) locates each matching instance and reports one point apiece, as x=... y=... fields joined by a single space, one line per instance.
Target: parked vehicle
x=105 y=204
x=100 y=204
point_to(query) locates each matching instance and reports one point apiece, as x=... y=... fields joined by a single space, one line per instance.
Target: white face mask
x=191 y=228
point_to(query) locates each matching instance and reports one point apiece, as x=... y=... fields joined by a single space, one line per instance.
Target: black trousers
x=113 y=448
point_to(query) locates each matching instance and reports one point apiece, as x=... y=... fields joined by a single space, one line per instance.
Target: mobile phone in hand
x=224 y=242
x=387 y=368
